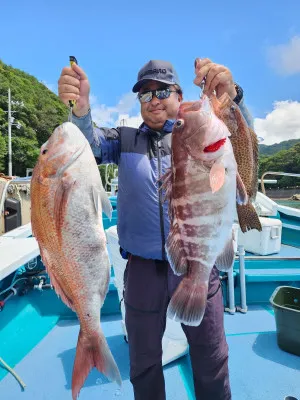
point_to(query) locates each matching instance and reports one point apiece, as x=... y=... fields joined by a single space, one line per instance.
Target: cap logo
x=153 y=71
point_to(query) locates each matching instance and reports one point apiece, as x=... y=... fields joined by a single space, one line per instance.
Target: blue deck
x=38 y=337
x=258 y=368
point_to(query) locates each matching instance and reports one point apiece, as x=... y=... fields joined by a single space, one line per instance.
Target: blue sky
x=259 y=41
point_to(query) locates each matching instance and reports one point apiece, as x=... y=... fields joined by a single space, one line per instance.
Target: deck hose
x=13 y=373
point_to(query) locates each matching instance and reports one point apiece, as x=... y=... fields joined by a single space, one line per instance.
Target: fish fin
x=92 y=351
x=60 y=291
x=188 y=302
x=54 y=282
x=100 y=196
x=248 y=217
x=106 y=204
x=62 y=196
x=166 y=184
x=96 y=199
x=166 y=177
x=241 y=193
x=175 y=252
x=225 y=260
x=217 y=176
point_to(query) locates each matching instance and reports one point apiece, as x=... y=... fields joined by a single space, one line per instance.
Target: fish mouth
x=214 y=146
x=74 y=157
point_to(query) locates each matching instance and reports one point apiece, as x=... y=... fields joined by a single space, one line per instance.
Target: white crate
x=266 y=242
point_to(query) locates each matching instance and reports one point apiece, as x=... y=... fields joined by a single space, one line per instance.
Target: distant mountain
x=268 y=150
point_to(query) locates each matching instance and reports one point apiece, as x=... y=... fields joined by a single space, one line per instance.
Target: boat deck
x=259 y=370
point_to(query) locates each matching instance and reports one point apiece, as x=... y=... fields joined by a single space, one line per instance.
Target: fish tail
x=92 y=352
x=248 y=218
x=188 y=302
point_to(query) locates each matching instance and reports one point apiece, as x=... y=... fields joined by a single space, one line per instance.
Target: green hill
x=283 y=161
x=42 y=111
x=269 y=150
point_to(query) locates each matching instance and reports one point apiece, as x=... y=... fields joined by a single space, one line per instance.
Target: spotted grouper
x=201 y=189
x=245 y=147
x=67 y=199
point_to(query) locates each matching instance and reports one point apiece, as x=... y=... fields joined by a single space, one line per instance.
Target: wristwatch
x=239 y=92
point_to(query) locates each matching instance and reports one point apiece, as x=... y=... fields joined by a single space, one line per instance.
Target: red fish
x=67 y=200
x=201 y=190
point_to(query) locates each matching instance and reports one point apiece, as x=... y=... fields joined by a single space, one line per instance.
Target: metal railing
x=115 y=172
x=274 y=173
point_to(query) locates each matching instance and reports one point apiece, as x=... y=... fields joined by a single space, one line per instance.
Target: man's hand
x=73 y=84
x=217 y=77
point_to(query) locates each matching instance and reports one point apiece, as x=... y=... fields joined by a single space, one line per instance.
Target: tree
x=110 y=174
x=3 y=152
x=283 y=161
x=41 y=113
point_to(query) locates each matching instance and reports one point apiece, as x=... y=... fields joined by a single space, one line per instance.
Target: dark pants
x=148 y=287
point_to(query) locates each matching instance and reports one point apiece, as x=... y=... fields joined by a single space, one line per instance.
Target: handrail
x=3 y=196
x=274 y=173
x=107 y=182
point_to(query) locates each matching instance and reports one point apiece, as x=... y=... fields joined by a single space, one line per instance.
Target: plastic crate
x=286 y=304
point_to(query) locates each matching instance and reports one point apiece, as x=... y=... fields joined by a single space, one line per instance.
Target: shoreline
x=282 y=194
x=283 y=199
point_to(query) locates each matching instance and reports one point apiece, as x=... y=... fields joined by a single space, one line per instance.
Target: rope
x=13 y=373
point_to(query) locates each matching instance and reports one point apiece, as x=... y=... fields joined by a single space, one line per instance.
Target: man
x=142 y=156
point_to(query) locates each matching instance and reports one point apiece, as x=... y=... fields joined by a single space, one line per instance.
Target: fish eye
x=232 y=108
x=179 y=123
x=44 y=151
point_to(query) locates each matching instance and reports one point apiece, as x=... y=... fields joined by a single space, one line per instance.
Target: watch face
x=239 y=94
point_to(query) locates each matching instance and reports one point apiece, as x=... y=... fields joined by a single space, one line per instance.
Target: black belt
x=215 y=292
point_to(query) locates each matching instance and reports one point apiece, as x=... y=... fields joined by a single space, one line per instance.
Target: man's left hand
x=217 y=77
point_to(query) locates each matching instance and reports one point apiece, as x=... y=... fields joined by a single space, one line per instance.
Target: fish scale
x=245 y=147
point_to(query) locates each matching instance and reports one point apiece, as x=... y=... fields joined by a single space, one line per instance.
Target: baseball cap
x=156 y=70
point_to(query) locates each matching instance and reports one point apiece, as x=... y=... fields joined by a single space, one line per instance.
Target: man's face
x=156 y=112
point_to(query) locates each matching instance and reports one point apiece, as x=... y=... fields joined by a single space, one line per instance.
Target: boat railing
x=113 y=183
x=274 y=173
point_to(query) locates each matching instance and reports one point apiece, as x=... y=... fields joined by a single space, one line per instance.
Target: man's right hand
x=73 y=84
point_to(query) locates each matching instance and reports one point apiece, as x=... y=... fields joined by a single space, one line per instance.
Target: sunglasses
x=161 y=94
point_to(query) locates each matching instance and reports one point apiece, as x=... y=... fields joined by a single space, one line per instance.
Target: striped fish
x=201 y=188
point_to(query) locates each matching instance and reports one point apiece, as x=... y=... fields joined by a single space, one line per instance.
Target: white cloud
x=103 y=115
x=93 y=99
x=285 y=58
x=127 y=103
x=282 y=123
x=133 y=121
x=111 y=116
